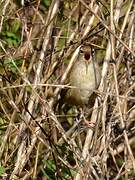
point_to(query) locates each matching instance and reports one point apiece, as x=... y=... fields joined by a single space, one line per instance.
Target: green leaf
x=14 y=42
x=2 y=170
x=121 y=178
x=11 y=35
x=10 y=66
x=50 y=169
x=9 y=42
x=120 y=162
x=50 y=164
x=16 y=25
x=46 y=3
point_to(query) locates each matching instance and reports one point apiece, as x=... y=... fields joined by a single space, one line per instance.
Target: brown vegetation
x=39 y=42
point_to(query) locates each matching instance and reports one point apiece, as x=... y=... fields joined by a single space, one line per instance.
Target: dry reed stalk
x=31 y=116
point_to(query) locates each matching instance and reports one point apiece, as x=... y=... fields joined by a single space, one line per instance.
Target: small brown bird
x=85 y=76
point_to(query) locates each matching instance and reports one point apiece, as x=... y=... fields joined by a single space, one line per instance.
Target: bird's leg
x=86 y=123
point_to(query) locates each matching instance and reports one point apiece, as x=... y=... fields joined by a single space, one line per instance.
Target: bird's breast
x=86 y=78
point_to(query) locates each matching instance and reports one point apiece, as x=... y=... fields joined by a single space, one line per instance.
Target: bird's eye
x=87 y=56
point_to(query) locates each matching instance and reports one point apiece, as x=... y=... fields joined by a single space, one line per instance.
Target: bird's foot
x=89 y=124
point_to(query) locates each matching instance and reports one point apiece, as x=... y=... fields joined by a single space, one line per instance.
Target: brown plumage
x=85 y=76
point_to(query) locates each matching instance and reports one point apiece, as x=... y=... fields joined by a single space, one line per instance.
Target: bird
x=85 y=76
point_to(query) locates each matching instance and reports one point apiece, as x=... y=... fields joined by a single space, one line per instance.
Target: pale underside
x=86 y=77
